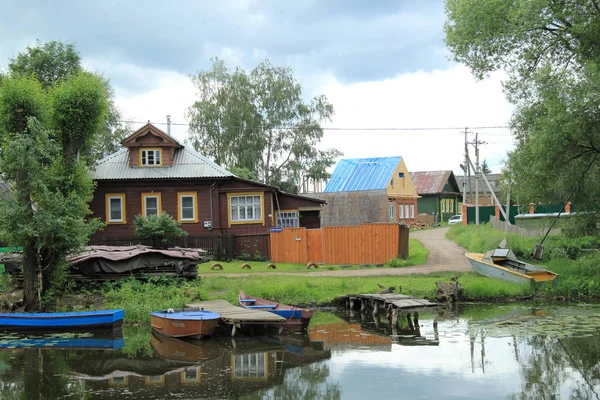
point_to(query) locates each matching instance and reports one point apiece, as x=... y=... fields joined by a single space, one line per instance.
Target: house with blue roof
x=387 y=176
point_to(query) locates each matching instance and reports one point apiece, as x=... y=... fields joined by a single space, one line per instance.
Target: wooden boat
x=297 y=318
x=65 y=320
x=185 y=323
x=502 y=263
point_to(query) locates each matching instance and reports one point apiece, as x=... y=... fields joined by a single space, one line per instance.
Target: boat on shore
x=60 y=320
x=502 y=263
x=297 y=318
x=184 y=323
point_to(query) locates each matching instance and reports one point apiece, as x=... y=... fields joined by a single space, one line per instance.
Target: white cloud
x=439 y=99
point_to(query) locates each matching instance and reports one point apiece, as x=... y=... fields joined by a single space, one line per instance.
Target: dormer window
x=150 y=157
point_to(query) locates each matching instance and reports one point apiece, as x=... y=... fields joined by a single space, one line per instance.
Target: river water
x=517 y=351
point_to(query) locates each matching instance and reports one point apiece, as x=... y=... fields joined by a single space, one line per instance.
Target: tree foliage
x=157 y=228
x=551 y=52
x=51 y=63
x=259 y=122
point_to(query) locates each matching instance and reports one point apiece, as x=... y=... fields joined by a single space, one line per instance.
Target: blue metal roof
x=362 y=174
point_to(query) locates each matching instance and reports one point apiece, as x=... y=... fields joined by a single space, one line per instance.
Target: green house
x=439 y=193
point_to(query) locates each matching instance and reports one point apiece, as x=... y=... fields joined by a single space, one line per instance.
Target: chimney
x=169 y=125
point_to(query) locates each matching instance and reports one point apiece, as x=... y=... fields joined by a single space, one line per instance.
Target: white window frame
x=392 y=211
x=288 y=219
x=401 y=212
x=180 y=197
x=250 y=366
x=406 y=211
x=109 y=217
x=239 y=202
x=146 y=205
x=144 y=157
x=412 y=211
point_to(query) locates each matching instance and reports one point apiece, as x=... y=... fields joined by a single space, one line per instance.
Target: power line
x=326 y=128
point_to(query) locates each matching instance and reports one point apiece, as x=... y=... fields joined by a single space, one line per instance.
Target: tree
x=157 y=228
x=260 y=123
x=53 y=62
x=53 y=188
x=485 y=169
x=550 y=51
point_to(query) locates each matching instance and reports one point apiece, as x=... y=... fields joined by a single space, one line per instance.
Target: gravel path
x=444 y=255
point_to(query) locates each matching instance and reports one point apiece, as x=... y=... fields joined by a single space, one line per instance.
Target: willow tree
x=258 y=123
x=42 y=132
x=551 y=52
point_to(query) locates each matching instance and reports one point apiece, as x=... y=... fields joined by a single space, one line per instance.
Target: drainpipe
x=210 y=197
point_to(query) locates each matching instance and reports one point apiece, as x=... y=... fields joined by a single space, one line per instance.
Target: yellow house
x=376 y=174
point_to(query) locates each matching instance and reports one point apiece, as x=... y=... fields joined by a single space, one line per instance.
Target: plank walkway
x=234 y=315
x=401 y=302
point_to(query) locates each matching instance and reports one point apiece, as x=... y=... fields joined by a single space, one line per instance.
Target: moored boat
x=297 y=318
x=61 y=319
x=502 y=263
x=185 y=323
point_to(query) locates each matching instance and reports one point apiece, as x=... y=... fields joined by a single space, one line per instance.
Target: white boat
x=502 y=263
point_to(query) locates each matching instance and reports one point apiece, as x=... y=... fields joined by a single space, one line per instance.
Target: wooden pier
x=391 y=304
x=234 y=315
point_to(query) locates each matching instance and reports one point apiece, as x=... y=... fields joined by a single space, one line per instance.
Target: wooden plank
x=314 y=239
x=234 y=314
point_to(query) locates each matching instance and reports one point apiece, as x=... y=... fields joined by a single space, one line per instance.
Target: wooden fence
x=353 y=245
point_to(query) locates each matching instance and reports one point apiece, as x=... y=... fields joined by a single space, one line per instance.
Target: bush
x=157 y=228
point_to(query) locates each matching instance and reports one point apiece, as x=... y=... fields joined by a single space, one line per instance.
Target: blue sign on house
x=276 y=229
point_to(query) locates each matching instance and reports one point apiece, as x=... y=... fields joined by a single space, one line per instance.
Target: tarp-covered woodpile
x=115 y=262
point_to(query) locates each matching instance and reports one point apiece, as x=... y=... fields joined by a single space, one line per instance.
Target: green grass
x=417 y=255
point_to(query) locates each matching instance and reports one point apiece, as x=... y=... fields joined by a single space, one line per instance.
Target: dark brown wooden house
x=153 y=173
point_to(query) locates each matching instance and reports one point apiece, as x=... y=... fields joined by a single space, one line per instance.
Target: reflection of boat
x=63 y=343
x=297 y=318
x=61 y=320
x=195 y=324
x=502 y=263
x=175 y=349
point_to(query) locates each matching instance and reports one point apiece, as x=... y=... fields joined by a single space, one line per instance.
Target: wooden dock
x=234 y=315
x=390 y=303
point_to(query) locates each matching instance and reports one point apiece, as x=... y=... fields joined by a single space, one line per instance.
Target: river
x=516 y=351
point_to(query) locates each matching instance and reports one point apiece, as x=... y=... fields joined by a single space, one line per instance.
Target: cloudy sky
x=381 y=64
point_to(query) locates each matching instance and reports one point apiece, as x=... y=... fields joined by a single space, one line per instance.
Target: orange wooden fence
x=364 y=244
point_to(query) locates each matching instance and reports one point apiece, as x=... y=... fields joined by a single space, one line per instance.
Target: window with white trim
x=412 y=210
x=187 y=207
x=248 y=366
x=150 y=157
x=406 y=211
x=115 y=209
x=245 y=208
x=401 y=212
x=392 y=210
x=288 y=219
x=151 y=205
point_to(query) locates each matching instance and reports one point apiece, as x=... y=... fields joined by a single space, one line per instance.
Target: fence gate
x=314 y=242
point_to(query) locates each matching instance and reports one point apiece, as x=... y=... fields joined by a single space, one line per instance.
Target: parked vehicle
x=64 y=320
x=297 y=318
x=184 y=323
x=502 y=263
x=455 y=219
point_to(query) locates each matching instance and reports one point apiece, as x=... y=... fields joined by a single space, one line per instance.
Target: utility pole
x=476 y=143
x=466 y=166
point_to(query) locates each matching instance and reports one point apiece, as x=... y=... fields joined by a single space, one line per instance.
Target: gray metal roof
x=187 y=163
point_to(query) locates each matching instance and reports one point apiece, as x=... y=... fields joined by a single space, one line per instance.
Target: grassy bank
x=576 y=260
x=417 y=256
x=139 y=299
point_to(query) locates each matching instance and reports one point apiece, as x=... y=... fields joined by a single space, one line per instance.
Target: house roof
x=362 y=174
x=433 y=182
x=149 y=129
x=187 y=163
x=492 y=178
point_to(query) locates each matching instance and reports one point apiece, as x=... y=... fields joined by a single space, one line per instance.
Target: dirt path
x=444 y=255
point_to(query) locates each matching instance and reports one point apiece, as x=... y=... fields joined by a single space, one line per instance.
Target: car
x=455 y=219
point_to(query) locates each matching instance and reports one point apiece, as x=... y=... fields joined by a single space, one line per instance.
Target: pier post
x=410 y=323
x=416 y=318
x=394 y=317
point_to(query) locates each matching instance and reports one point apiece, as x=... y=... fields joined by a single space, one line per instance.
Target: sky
x=381 y=64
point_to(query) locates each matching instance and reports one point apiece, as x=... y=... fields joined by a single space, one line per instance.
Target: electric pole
x=476 y=143
x=465 y=168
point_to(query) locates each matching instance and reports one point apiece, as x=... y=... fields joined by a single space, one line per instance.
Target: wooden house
x=385 y=177
x=154 y=173
x=439 y=193
x=485 y=197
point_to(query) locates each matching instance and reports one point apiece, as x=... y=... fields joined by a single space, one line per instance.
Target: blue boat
x=63 y=343
x=61 y=320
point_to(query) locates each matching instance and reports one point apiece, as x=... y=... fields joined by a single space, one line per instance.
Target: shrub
x=157 y=228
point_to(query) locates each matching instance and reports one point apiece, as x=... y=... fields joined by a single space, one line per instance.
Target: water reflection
x=514 y=352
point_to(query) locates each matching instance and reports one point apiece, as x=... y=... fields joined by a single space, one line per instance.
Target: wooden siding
x=353 y=245
x=401 y=186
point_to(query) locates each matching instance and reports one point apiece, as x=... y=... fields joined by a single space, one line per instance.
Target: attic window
x=400 y=174
x=150 y=157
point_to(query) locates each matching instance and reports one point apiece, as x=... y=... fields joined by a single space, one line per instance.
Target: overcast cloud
x=382 y=64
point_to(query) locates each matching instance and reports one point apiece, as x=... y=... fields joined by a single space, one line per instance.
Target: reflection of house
x=369 y=190
x=439 y=191
x=485 y=198
x=154 y=173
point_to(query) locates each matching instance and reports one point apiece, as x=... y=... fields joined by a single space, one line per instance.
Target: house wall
x=405 y=215
x=353 y=208
x=401 y=186
x=429 y=204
